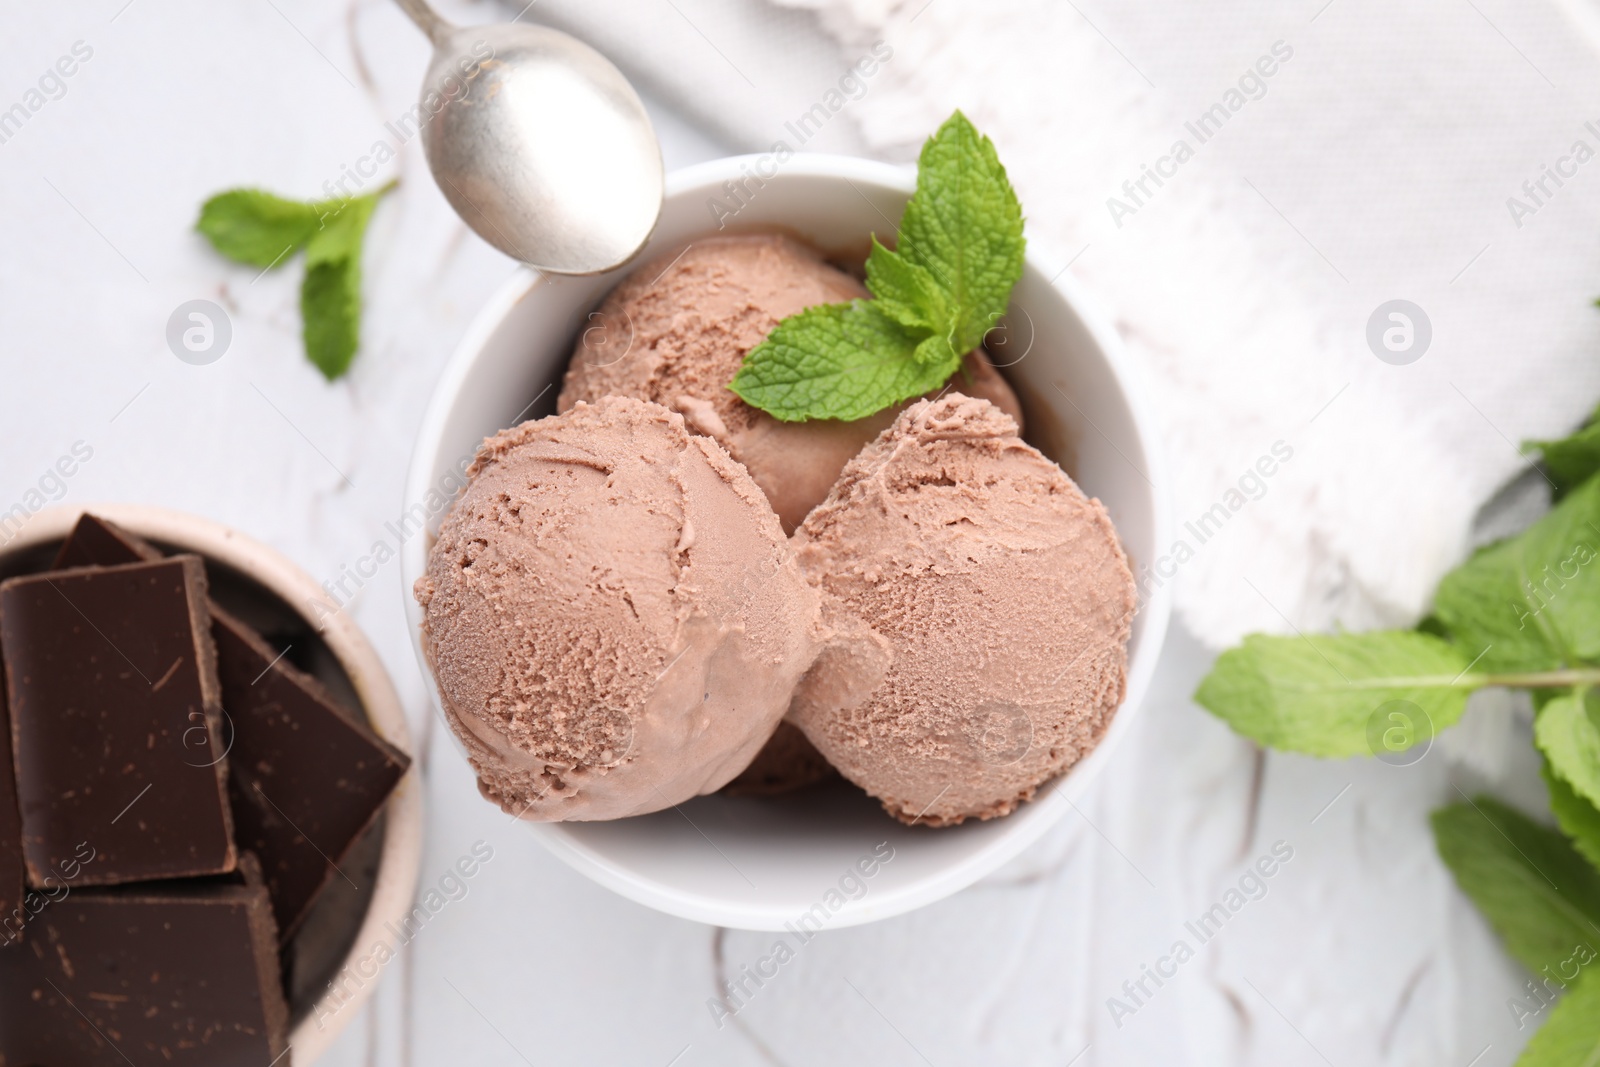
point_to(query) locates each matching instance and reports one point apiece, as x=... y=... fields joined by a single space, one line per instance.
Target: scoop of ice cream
x=677 y=329
x=612 y=614
x=1004 y=596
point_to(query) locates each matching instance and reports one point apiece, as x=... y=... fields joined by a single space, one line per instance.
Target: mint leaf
x=934 y=351
x=1567 y=731
x=1532 y=886
x=905 y=292
x=1572 y=460
x=1578 y=819
x=1570 y=1037
x=262 y=229
x=964 y=226
x=836 y=361
x=330 y=312
x=1532 y=602
x=1317 y=695
x=960 y=254
x=256 y=227
x=341 y=224
x=330 y=296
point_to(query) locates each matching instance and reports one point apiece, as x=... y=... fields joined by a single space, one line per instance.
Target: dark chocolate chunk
x=318 y=954
x=117 y=723
x=171 y=973
x=306 y=777
x=95 y=542
x=12 y=871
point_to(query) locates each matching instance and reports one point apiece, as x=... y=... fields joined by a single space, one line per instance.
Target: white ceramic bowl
x=253 y=576
x=759 y=864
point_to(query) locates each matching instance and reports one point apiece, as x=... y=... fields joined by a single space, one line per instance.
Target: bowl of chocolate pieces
x=209 y=822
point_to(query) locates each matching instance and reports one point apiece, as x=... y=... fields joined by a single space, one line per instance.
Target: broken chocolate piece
x=177 y=973
x=306 y=777
x=12 y=872
x=116 y=719
x=94 y=542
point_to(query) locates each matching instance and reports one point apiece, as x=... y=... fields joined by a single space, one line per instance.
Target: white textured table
x=1359 y=952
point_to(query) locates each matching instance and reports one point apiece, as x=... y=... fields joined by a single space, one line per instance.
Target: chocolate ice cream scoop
x=677 y=330
x=1005 y=599
x=613 y=616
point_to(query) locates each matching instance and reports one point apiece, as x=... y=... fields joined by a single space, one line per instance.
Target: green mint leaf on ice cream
x=964 y=226
x=839 y=358
x=949 y=280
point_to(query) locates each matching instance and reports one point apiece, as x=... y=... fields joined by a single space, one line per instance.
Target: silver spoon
x=539 y=143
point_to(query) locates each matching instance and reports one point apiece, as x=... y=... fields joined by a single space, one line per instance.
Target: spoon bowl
x=540 y=144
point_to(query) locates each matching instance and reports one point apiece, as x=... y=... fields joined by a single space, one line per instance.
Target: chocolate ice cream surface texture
x=1005 y=598
x=613 y=616
x=677 y=330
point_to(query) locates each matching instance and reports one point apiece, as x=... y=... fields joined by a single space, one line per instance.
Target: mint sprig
x=265 y=230
x=1522 y=613
x=959 y=255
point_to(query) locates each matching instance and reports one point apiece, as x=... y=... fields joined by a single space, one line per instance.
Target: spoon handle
x=429 y=23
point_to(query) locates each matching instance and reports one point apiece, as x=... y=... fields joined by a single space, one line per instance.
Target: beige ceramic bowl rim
x=402 y=842
x=697 y=180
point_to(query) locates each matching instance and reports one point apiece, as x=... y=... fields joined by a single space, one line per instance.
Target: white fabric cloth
x=1375 y=163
